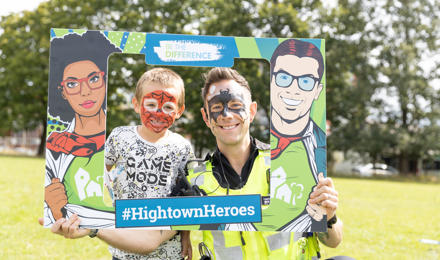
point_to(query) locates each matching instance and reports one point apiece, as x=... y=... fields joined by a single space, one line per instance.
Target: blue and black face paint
x=226 y=102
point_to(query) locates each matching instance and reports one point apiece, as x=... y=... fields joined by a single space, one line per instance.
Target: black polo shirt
x=226 y=175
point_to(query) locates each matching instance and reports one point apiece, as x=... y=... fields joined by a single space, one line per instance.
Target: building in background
x=21 y=142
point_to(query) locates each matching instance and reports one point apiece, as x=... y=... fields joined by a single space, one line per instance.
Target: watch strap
x=93 y=233
x=332 y=221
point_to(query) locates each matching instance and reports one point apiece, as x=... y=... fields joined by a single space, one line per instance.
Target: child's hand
x=186 y=245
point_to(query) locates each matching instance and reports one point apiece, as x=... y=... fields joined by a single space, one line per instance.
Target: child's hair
x=164 y=77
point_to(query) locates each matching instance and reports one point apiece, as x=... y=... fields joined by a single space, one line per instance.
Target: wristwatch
x=331 y=221
x=93 y=233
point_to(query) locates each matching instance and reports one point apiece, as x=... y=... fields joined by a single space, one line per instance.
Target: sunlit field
x=386 y=219
x=382 y=219
x=22 y=193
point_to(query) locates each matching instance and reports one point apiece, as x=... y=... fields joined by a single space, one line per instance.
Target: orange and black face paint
x=158 y=110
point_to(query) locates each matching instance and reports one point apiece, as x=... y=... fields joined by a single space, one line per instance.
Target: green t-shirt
x=84 y=182
x=292 y=182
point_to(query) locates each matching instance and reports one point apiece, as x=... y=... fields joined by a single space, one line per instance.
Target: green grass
x=386 y=219
x=382 y=219
x=21 y=194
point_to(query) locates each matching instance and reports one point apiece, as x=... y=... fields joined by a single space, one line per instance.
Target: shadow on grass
x=426 y=179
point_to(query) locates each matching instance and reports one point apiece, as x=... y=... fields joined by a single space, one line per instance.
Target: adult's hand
x=315 y=211
x=325 y=196
x=55 y=197
x=69 y=228
x=134 y=241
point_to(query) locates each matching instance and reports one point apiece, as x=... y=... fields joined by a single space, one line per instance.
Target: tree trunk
x=403 y=164
x=42 y=139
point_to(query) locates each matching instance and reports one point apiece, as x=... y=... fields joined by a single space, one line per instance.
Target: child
x=150 y=154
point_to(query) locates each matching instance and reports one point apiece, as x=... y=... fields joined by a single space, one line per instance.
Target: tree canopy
x=373 y=50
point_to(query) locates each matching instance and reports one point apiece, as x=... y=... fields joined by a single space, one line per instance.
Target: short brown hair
x=300 y=49
x=164 y=77
x=218 y=74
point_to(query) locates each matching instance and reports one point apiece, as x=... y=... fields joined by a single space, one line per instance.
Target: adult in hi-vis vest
x=240 y=166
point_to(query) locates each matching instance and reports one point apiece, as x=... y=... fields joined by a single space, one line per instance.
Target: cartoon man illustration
x=298 y=144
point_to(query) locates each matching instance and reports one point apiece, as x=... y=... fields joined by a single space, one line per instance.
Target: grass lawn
x=382 y=219
x=386 y=219
x=22 y=193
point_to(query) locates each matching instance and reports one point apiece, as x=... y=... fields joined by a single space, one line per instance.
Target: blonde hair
x=164 y=77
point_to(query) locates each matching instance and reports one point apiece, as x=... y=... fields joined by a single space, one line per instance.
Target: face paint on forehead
x=224 y=98
x=212 y=89
x=211 y=92
x=161 y=96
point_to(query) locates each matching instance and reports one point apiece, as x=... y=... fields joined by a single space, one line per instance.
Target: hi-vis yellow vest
x=246 y=245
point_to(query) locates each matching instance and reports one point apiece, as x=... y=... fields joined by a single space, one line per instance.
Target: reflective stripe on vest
x=281 y=239
x=223 y=252
x=267 y=160
x=278 y=240
x=199 y=180
x=265 y=245
x=200 y=168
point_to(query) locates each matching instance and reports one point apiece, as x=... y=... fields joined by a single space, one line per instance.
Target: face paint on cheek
x=224 y=98
x=155 y=118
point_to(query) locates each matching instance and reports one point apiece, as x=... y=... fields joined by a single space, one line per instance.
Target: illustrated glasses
x=93 y=81
x=305 y=82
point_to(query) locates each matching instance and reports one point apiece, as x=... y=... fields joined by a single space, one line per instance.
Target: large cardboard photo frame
x=76 y=133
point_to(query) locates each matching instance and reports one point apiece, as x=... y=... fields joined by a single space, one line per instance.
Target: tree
x=351 y=79
x=371 y=49
x=24 y=51
x=374 y=53
x=24 y=59
x=25 y=40
x=411 y=35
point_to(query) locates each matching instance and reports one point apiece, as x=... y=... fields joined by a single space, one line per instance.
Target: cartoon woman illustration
x=75 y=156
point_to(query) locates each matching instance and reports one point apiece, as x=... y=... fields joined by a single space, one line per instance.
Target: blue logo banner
x=188 y=211
x=190 y=50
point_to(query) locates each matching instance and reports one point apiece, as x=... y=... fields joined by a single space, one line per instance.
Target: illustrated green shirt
x=293 y=178
x=84 y=182
x=291 y=184
x=294 y=173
